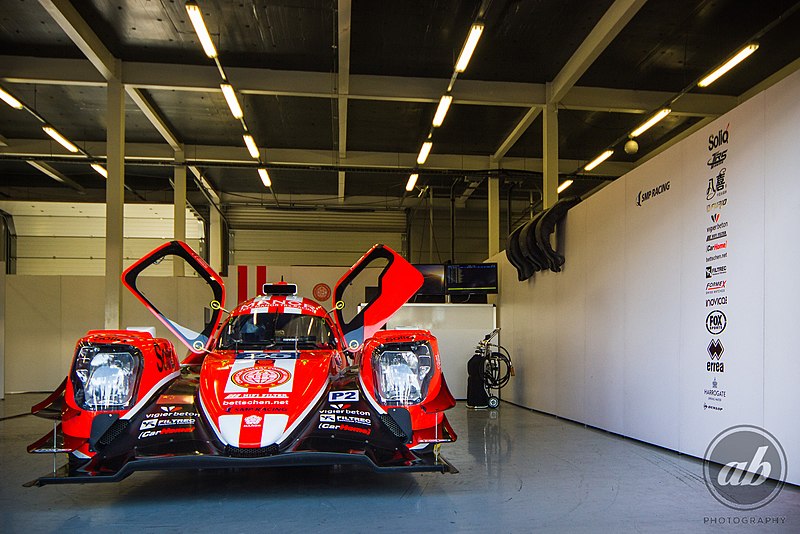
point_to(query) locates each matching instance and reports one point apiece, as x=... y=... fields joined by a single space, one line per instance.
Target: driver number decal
x=260 y=377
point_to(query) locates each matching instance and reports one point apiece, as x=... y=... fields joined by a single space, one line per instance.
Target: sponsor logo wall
x=684 y=299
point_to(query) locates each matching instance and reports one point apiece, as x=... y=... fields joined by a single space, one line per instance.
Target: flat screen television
x=433 y=283
x=469 y=278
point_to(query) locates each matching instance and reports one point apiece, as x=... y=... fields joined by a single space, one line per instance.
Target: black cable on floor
x=14 y=416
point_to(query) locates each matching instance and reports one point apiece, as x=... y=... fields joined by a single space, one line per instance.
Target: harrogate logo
x=744 y=467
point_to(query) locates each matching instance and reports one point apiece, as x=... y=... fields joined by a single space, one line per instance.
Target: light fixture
x=412 y=181
x=233 y=102
x=251 y=146
x=469 y=47
x=728 y=65
x=650 y=122
x=63 y=141
x=424 y=151
x=565 y=184
x=265 y=177
x=46 y=170
x=441 y=111
x=598 y=160
x=100 y=170
x=10 y=100
x=196 y=16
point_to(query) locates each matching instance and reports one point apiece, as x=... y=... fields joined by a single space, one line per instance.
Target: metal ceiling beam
x=103 y=60
x=77 y=29
x=151 y=112
x=160 y=76
x=344 y=83
x=325 y=159
x=606 y=29
x=517 y=132
x=56 y=175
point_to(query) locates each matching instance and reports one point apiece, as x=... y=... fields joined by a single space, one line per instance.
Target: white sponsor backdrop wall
x=675 y=315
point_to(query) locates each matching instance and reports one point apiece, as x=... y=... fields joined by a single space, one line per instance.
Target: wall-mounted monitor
x=433 y=275
x=466 y=278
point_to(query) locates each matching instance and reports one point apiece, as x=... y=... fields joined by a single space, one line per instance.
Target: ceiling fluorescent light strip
x=441 y=111
x=598 y=160
x=45 y=170
x=60 y=139
x=265 y=177
x=565 y=184
x=196 y=16
x=650 y=122
x=424 y=151
x=100 y=170
x=412 y=181
x=728 y=65
x=10 y=100
x=469 y=47
x=233 y=102
x=251 y=146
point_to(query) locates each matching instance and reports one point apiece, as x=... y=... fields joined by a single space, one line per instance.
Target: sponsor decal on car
x=345 y=395
x=261 y=377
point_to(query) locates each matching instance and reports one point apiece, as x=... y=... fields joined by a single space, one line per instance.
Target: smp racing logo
x=646 y=195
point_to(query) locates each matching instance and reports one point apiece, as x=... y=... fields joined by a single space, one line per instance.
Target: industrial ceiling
x=339 y=95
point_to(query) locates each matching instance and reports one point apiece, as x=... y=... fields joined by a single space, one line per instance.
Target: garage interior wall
x=69 y=239
x=46 y=315
x=619 y=341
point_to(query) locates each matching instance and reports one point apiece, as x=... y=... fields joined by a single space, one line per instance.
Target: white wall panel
x=652 y=301
x=605 y=307
x=782 y=256
x=272 y=247
x=571 y=317
x=647 y=295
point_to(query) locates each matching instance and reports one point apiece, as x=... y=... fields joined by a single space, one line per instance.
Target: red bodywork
x=280 y=405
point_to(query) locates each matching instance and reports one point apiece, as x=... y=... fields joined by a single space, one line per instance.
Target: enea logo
x=718 y=205
x=646 y=195
x=716 y=322
x=744 y=467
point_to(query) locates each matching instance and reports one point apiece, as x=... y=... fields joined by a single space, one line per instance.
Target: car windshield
x=263 y=331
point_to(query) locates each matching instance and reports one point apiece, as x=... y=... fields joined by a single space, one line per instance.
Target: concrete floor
x=521 y=471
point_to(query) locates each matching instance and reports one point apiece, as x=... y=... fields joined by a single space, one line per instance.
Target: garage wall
x=46 y=315
x=69 y=239
x=618 y=340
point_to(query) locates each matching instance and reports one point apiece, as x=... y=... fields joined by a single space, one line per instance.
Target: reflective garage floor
x=521 y=471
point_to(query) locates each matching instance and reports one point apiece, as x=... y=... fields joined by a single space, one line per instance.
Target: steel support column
x=115 y=200
x=550 y=152
x=179 y=207
x=494 y=214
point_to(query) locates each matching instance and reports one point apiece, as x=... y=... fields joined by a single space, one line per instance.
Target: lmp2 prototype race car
x=280 y=382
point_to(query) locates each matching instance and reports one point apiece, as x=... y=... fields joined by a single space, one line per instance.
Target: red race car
x=279 y=382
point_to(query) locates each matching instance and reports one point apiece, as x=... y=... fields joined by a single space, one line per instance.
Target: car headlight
x=402 y=373
x=105 y=377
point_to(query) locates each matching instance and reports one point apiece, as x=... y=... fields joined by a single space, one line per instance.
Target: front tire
x=494 y=402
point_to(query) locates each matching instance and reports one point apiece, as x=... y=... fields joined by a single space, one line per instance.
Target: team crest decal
x=261 y=377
